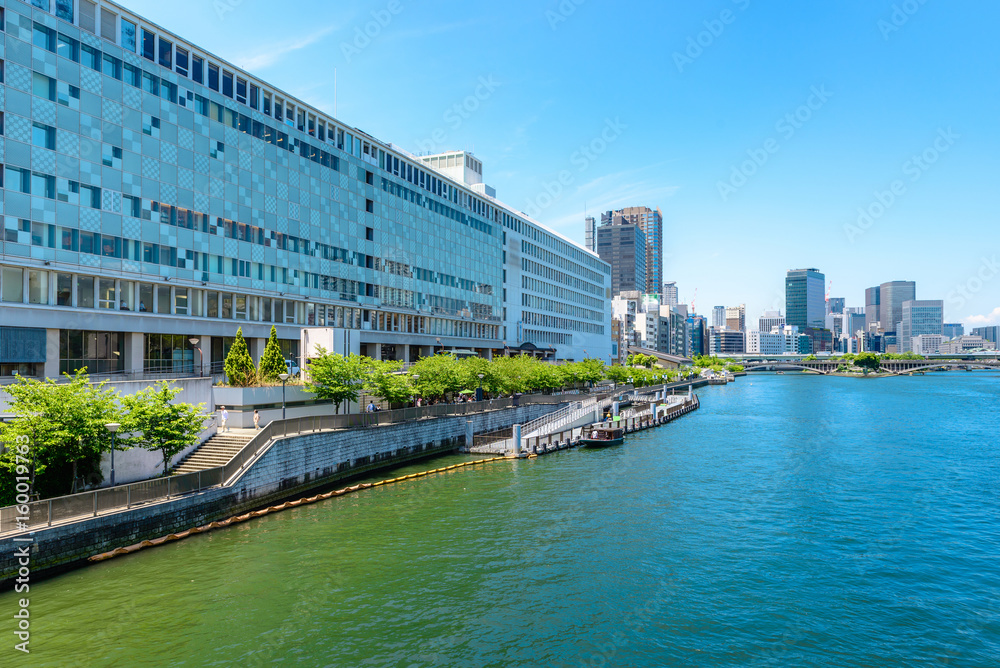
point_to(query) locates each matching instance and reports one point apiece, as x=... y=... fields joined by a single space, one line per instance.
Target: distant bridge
x=898 y=367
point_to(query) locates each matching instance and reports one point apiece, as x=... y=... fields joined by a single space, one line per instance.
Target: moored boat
x=600 y=436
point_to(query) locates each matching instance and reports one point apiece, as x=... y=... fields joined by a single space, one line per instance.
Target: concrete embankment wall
x=290 y=467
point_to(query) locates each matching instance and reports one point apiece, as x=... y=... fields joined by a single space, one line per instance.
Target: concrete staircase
x=216 y=451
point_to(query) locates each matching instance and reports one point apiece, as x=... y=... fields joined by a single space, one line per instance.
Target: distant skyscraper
x=719 y=317
x=769 y=320
x=872 y=304
x=991 y=334
x=893 y=294
x=805 y=303
x=670 y=297
x=919 y=317
x=835 y=305
x=623 y=245
x=591 y=233
x=736 y=318
x=953 y=330
x=650 y=221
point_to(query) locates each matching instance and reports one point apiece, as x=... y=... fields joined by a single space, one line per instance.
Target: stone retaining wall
x=290 y=467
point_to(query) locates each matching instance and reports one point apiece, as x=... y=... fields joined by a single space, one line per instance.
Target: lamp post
x=283 y=377
x=194 y=344
x=113 y=428
x=479 y=392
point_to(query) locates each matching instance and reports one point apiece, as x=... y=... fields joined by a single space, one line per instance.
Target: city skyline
x=709 y=113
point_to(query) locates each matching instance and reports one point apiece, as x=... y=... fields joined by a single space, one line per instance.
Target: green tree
x=272 y=362
x=384 y=380
x=155 y=423
x=64 y=424
x=336 y=378
x=868 y=362
x=435 y=376
x=239 y=366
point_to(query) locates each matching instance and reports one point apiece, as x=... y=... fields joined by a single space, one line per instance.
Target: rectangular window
x=254 y=96
x=213 y=305
x=43 y=136
x=111 y=66
x=88 y=15
x=64 y=10
x=43 y=185
x=145 y=297
x=106 y=293
x=150 y=83
x=109 y=25
x=162 y=299
x=38 y=287
x=132 y=75
x=67 y=47
x=128 y=35
x=213 y=76
x=90 y=57
x=90 y=196
x=69 y=239
x=227 y=83
x=267 y=104
x=181 y=301
x=227 y=305
x=166 y=53
x=125 y=296
x=64 y=289
x=44 y=37
x=12 y=285
x=182 y=61
x=85 y=292
x=241 y=90
x=197 y=69
x=148 y=45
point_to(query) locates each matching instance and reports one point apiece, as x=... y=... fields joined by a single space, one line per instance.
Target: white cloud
x=992 y=318
x=270 y=54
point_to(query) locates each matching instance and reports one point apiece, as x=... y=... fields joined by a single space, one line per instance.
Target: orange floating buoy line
x=284 y=506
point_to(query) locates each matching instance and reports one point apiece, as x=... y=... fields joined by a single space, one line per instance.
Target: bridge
x=665 y=360
x=831 y=364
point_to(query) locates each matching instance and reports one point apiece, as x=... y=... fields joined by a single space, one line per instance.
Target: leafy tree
x=868 y=362
x=272 y=362
x=239 y=367
x=336 y=378
x=809 y=358
x=64 y=423
x=619 y=374
x=436 y=376
x=154 y=423
x=384 y=381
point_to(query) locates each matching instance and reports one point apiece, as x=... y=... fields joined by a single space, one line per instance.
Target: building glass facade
x=149 y=186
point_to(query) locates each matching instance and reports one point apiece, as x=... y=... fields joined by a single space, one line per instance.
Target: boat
x=600 y=436
x=779 y=372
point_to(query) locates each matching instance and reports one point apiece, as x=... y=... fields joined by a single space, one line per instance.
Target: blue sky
x=759 y=128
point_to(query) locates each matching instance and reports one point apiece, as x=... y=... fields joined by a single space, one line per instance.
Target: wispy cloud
x=992 y=318
x=270 y=54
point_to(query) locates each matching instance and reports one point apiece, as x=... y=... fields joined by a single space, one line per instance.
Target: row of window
x=437 y=207
x=552 y=258
x=551 y=274
x=545 y=288
x=563 y=308
x=564 y=324
x=537 y=336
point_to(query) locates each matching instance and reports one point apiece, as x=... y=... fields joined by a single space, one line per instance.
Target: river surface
x=792 y=521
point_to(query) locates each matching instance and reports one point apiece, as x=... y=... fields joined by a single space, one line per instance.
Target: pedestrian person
x=256 y=419
x=223 y=418
x=371 y=407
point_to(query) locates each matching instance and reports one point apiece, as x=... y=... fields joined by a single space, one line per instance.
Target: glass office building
x=155 y=198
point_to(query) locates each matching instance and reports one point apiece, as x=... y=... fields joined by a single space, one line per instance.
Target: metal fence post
x=128 y=496
x=199 y=480
x=50 y=512
x=95 y=504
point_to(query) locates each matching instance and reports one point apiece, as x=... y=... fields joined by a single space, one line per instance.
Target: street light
x=194 y=344
x=283 y=377
x=479 y=392
x=113 y=428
